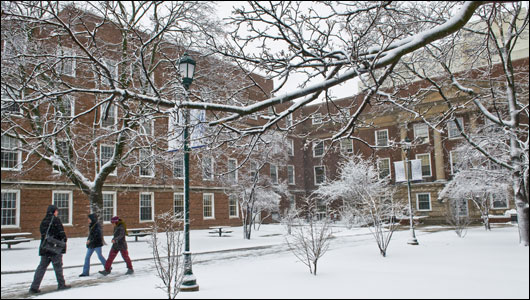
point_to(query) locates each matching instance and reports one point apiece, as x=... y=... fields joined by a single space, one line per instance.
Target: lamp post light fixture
x=406 y=146
x=189 y=282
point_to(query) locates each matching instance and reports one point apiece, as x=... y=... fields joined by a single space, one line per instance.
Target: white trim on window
x=316 y=118
x=292 y=169
x=149 y=169
x=114 y=111
x=115 y=172
x=453 y=171
x=114 y=205
x=379 y=160
x=317 y=144
x=70 y=203
x=418 y=201
x=175 y=204
x=17 y=208
x=452 y=130
x=233 y=170
x=210 y=168
x=212 y=199
x=230 y=205
x=379 y=142
x=9 y=140
x=492 y=200
x=418 y=156
x=290 y=147
x=346 y=146
x=152 y=196
x=315 y=174
x=421 y=131
x=273 y=175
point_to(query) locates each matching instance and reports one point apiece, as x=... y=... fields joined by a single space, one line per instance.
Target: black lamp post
x=406 y=146
x=189 y=282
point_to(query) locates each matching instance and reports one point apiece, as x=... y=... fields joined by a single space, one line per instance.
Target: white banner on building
x=197 y=128
x=415 y=165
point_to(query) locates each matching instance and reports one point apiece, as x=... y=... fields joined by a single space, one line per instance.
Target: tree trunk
x=522 y=220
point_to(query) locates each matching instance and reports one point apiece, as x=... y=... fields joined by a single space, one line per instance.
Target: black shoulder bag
x=51 y=244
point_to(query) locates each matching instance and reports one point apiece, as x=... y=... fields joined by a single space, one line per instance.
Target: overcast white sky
x=350 y=88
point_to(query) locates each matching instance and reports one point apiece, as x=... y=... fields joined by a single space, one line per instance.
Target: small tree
x=458 y=217
x=167 y=254
x=289 y=218
x=309 y=240
x=366 y=195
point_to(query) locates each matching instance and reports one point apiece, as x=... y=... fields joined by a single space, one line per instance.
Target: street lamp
x=406 y=146
x=189 y=282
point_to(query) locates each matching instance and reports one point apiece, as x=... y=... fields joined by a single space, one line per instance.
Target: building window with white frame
x=112 y=66
x=318 y=149
x=208 y=206
x=452 y=129
x=383 y=167
x=316 y=118
x=178 y=166
x=460 y=207
x=10 y=208
x=178 y=205
x=346 y=146
x=290 y=175
x=290 y=147
x=320 y=174
x=499 y=201
x=147 y=165
x=66 y=63
x=65 y=107
x=11 y=157
x=146 y=207
x=63 y=201
x=146 y=127
x=109 y=206
x=61 y=150
x=106 y=154
x=381 y=138
x=423 y=201
x=233 y=211
x=453 y=157
x=254 y=170
x=425 y=164
x=292 y=201
x=274 y=173
x=207 y=168
x=112 y=115
x=232 y=170
x=421 y=133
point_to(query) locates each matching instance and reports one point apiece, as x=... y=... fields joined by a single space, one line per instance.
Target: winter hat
x=114 y=219
x=51 y=209
x=93 y=218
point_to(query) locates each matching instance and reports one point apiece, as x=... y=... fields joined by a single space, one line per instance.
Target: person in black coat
x=53 y=225
x=119 y=244
x=94 y=243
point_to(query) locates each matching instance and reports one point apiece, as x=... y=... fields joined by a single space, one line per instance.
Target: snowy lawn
x=481 y=265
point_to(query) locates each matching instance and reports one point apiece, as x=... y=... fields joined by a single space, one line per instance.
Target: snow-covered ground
x=481 y=265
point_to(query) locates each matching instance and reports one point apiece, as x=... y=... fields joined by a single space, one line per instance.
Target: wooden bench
x=138 y=232
x=15 y=238
x=219 y=230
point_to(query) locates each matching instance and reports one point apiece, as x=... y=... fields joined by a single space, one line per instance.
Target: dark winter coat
x=56 y=229
x=95 y=235
x=119 y=236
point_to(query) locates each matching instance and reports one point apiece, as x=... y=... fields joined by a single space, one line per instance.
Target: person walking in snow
x=52 y=226
x=119 y=244
x=94 y=243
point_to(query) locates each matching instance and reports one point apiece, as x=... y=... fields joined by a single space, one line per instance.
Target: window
x=452 y=130
x=113 y=69
x=320 y=174
x=66 y=63
x=233 y=212
x=499 y=201
x=460 y=206
x=318 y=149
x=208 y=206
x=109 y=206
x=292 y=201
x=147 y=165
x=453 y=156
x=65 y=107
x=290 y=175
x=381 y=138
x=11 y=158
x=8 y=101
x=425 y=164
x=274 y=174
x=289 y=120
x=147 y=127
x=232 y=165
x=112 y=116
x=290 y=147
x=10 y=208
x=316 y=119
x=254 y=170
x=421 y=133
x=178 y=166
x=61 y=150
x=146 y=207
x=107 y=152
x=383 y=167
x=63 y=201
x=207 y=168
x=346 y=146
x=178 y=205
x=423 y=201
